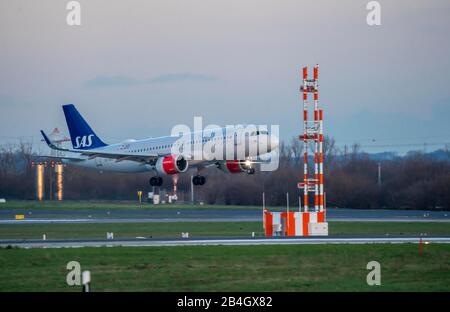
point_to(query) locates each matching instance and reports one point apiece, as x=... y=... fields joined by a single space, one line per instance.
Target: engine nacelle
x=171 y=164
x=235 y=166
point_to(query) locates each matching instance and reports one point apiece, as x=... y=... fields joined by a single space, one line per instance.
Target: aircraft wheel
x=198 y=180
x=156 y=181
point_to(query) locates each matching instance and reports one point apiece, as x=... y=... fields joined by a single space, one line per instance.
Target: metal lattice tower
x=312 y=133
x=58 y=139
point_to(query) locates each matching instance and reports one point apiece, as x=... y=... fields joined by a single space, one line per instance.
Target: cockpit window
x=261 y=132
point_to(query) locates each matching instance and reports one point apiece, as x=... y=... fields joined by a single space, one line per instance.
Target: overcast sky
x=136 y=68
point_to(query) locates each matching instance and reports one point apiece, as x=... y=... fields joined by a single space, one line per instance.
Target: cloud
x=111 y=81
x=122 y=81
x=181 y=77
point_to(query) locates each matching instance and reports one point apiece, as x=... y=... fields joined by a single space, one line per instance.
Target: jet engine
x=171 y=164
x=236 y=166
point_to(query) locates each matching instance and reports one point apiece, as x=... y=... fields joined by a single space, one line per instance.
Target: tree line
x=414 y=181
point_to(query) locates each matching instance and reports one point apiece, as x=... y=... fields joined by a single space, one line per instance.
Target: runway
x=125 y=220
x=147 y=220
x=119 y=215
x=219 y=241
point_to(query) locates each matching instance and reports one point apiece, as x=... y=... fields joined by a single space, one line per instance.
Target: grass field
x=198 y=229
x=219 y=268
x=231 y=268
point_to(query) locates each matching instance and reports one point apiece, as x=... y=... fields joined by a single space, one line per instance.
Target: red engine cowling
x=171 y=164
x=234 y=166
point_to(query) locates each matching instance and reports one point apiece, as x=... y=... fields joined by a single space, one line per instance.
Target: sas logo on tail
x=83 y=141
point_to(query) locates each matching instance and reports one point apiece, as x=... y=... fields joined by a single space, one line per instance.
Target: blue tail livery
x=81 y=134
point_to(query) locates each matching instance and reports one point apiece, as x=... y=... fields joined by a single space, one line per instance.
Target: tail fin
x=81 y=134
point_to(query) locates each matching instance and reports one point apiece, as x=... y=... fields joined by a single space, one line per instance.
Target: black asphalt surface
x=115 y=215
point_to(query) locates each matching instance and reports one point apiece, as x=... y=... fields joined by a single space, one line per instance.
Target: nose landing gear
x=156 y=181
x=251 y=171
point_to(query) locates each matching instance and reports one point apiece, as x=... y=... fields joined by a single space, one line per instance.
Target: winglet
x=46 y=139
x=50 y=143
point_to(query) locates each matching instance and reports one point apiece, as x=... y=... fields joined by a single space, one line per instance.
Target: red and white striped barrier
x=295 y=223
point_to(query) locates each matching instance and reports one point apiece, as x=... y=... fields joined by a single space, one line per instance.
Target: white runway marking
x=217 y=242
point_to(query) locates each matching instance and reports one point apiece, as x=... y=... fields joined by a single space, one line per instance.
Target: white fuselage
x=165 y=146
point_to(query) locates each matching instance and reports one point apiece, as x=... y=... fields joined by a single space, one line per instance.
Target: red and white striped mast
x=305 y=139
x=312 y=132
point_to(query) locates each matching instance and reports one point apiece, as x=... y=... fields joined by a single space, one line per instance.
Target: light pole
x=379 y=174
x=192 y=189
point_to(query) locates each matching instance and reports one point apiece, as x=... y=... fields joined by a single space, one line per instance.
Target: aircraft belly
x=104 y=164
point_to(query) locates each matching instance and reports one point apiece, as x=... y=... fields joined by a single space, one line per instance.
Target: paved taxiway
x=146 y=220
x=218 y=241
x=126 y=220
x=119 y=215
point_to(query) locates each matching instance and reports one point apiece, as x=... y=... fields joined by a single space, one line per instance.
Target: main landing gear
x=198 y=180
x=156 y=181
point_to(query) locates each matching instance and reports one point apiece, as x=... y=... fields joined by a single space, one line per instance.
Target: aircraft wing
x=47 y=157
x=143 y=158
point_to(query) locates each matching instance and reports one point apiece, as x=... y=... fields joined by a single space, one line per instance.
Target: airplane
x=156 y=155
